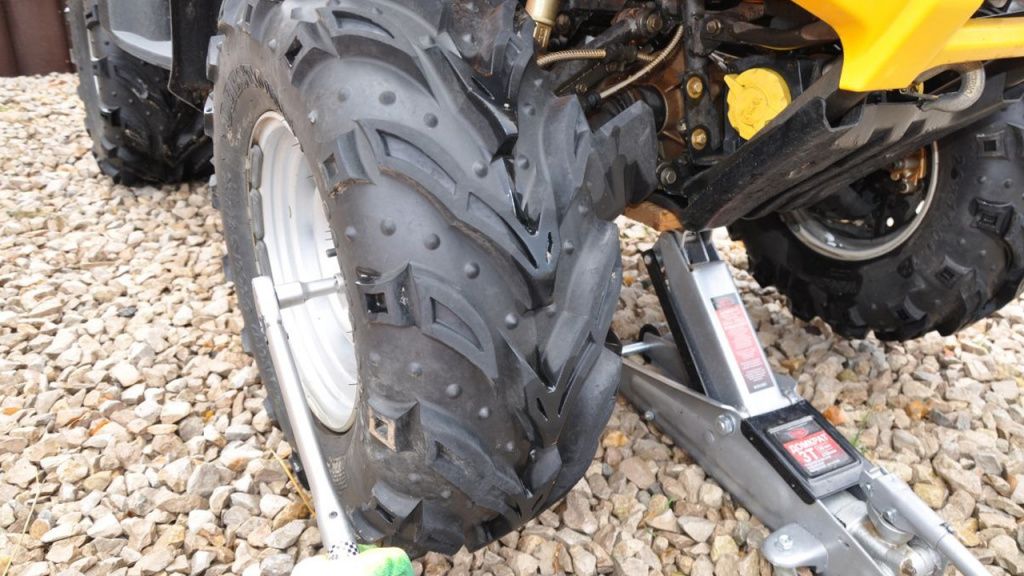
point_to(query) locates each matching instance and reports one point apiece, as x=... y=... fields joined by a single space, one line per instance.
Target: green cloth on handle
x=370 y=562
x=380 y=562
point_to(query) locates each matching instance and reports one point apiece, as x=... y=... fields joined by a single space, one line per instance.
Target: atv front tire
x=964 y=261
x=481 y=265
x=142 y=133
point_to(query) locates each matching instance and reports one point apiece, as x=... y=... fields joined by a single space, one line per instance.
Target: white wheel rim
x=300 y=248
x=818 y=236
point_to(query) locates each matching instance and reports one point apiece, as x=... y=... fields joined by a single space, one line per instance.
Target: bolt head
x=655 y=22
x=726 y=427
x=649 y=416
x=694 y=87
x=713 y=26
x=699 y=139
x=785 y=542
x=668 y=176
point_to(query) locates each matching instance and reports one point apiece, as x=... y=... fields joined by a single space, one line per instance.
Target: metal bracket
x=335 y=532
x=710 y=389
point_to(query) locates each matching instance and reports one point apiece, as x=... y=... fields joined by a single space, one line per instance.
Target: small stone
x=175 y=475
x=956 y=476
x=631 y=566
x=286 y=535
x=523 y=564
x=73 y=469
x=989 y=462
x=638 y=472
x=271 y=504
x=183 y=317
x=977 y=369
x=1007 y=554
x=204 y=479
x=934 y=496
x=711 y=495
x=35 y=569
x=174 y=411
x=293 y=511
x=61 y=552
x=200 y=561
x=614 y=439
x=723 y=545
x=59 y=532
x=699 y=529
x=239 y=432
x=21 y=474
x=237 y=456
x=155 y=560
x=703 y=567
x=1008 y=390
x=200 y=519
x=665 y=521
x=578 y=515
x=583 y=562
x=277 y=565
x=106 y=526
x=125 y=374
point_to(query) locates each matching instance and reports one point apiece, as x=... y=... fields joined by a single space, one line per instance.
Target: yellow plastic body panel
x=889 y=43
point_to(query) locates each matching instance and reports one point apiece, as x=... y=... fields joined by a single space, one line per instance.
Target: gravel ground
x=133 y=438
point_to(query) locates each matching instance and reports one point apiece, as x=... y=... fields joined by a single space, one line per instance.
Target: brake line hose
x=584 y=54
x=650 y=67
x=565 y=55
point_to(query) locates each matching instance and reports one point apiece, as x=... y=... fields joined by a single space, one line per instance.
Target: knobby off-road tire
x=471 y=213
x=141 y=132
x=965 y=261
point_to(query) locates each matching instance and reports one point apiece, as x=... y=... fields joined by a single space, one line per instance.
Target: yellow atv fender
x=887 y=45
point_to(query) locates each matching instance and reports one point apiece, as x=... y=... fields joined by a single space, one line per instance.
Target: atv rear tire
x=964 y=261
x=142 y=133
x=482 y=265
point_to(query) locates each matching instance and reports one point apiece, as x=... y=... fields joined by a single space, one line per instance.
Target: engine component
x=756 y=96
x=651 y=66
x=544 y=14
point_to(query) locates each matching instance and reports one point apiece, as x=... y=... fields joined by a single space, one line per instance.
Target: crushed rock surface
x=133 y=439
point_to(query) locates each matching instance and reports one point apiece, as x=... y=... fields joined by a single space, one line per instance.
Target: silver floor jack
x=831 y=510
x=335 y=532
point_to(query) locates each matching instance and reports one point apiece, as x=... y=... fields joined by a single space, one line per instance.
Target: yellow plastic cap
x=756 y=96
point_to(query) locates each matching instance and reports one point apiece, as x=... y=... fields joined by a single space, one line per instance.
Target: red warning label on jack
x=742 y=341
x=811 y=447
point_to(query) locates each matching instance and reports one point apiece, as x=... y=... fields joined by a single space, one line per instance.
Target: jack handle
x=898 y=505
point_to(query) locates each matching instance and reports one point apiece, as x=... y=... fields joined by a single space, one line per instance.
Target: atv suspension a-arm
x=709 y=387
